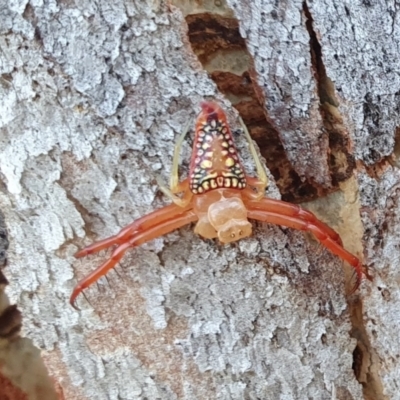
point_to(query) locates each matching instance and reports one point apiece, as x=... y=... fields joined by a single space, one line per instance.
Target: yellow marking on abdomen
x=206 y=164
x=229 y=162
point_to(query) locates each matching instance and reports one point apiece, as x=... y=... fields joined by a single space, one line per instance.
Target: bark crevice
x=222 y=51
x=341 y=161
x=342 y=164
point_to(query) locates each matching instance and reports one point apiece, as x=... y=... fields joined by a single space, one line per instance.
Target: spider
x=219 y=196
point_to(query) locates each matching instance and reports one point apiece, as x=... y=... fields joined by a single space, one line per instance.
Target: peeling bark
x=92 y=98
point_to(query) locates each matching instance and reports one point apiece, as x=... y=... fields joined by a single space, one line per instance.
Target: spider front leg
x=175 y=185
x=146 y=228
x=153 y=231
x=261 y=182
x=144 y=223
x=318 y=230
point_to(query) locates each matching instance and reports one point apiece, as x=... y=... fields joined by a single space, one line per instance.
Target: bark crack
x=341 y=161
x=342 y=164
x=18 y=357
x=10 y=316
x=366 y=363
x=216 y=40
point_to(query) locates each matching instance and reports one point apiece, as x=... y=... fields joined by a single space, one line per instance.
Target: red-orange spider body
x=219 y=196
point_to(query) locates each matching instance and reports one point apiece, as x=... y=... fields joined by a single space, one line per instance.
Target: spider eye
x=234 y=230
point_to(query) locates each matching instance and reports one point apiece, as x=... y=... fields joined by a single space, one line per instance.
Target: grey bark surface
x=282 y=59
x=92 y=98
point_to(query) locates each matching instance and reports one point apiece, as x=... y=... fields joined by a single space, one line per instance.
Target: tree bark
x=92 y=98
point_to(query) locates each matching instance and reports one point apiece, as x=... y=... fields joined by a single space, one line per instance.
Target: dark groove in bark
x=342 y=164
x=10 y=316
x=341 y=161
x=217 y=42
x=365 y=360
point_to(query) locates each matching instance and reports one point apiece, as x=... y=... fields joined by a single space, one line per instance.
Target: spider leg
x=175 y=185
x=116 y=271
x=86 y=298
x=108 y=281
x=319 y=232
x=150 y=233
x=261 y=182
x=171 y=192
x=174 y=180
x=154 y=218
x=293 y=210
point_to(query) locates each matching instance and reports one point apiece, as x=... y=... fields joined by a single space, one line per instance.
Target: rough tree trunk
x=92 y=97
